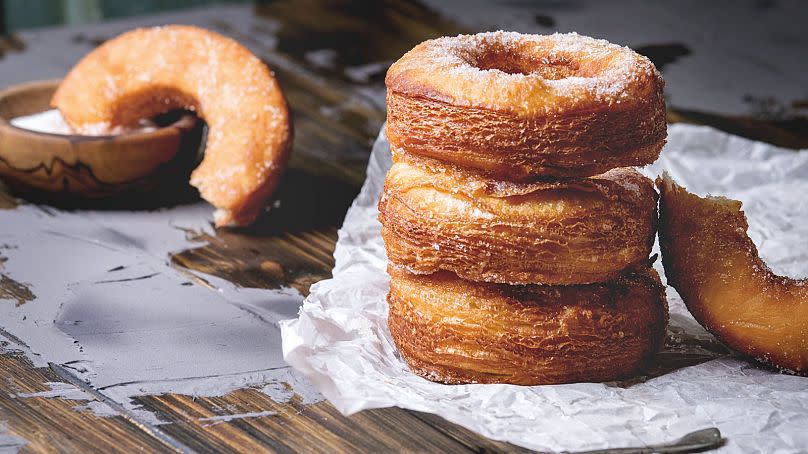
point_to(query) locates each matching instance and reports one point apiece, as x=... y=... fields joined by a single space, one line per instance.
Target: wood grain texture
x=787 y=133
x=7 y=201
x=287 y=260
x=315 y=428
x=8 y=43
x=52 y=424
x=11 y=289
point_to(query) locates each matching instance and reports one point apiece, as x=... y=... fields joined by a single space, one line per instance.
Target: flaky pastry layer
x=563 y=232
x=456 y=331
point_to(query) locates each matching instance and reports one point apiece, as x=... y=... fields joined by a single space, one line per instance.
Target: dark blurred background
x=22 y=14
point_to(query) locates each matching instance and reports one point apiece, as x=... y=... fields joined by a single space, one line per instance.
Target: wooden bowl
x=74 y=167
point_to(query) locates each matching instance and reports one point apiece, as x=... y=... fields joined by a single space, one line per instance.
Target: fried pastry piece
x=455 y=331
x=575 y=231
x=516 y=107
x=714 y=265
x=149 y=71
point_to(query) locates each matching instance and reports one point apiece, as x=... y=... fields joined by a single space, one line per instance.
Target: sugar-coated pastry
x=517 y=107
x=714 y=265
x=148 y=71
x=575 y=231
x=456 y=331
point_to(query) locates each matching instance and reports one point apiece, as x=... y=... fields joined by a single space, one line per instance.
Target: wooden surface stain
x=315 y=428
x=294 y=260
x=16 y=291
x=7 y=201
x=11 y=43
x=51 y=425
x=663 y=54
x=784 y=132
x=10 y=289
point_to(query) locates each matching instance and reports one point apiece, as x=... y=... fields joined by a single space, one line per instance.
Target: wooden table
x=292 y=248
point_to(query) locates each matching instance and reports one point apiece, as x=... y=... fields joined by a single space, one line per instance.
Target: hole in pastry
x=550 y=67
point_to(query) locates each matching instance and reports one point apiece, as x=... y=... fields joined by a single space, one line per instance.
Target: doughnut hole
x=520 y=61
x=152 y=101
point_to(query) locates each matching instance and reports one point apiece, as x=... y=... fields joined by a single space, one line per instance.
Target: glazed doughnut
x=455 y=331
x=563 y=232
x=714 y=265
x=516 y=107
x=149 y=71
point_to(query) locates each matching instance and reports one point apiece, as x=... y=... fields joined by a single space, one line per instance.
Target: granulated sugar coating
x=573 y=68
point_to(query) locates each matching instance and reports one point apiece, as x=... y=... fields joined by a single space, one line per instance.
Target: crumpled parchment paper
x=342 y=344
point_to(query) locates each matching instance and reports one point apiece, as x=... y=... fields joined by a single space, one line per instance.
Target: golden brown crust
x=456 y=331
x=714 y=265
x=517 y=107
x=145 y=72
x=562 y=232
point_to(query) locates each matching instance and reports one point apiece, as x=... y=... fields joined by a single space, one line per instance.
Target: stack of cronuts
x=517 y=233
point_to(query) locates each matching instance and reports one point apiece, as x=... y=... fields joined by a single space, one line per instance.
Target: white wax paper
x=342 y=343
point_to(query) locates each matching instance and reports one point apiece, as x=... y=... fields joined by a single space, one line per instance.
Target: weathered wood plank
x=788 y=133
x=287 y=260
x=316 y=428
x=7 y=201
x=52 y=424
